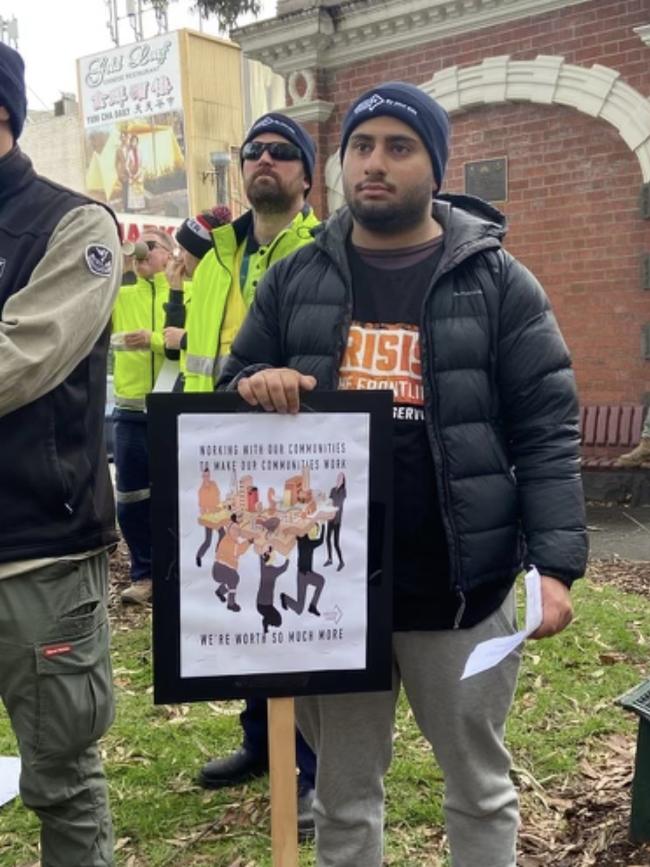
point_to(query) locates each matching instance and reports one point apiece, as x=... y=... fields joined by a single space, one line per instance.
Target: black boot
x=305 y=815
x=232 y=770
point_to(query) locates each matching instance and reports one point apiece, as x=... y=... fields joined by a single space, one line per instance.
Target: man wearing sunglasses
x=138 y=354
x=277 y=160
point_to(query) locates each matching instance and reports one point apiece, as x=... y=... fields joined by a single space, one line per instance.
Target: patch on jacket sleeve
x=99 y=260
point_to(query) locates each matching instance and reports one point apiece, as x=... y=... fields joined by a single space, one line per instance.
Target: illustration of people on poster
x=134 y=127
x=266 y=501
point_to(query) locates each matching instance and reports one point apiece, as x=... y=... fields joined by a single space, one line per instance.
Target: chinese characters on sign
x=134 y=127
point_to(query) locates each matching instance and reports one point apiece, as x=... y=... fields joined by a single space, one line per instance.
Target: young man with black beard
x=277 y=159
x=421 y=297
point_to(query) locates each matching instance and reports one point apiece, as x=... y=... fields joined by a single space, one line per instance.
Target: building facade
x=550 y=121
x=52 y=139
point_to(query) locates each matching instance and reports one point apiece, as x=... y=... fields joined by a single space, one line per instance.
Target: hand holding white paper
x=490 y=653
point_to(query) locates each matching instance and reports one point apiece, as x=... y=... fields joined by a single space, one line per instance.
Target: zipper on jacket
x=461 y=608
x=270 y=250
x=66 y=489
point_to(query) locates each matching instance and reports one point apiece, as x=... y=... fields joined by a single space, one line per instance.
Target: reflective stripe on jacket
x=214 y=279
x=138 y=306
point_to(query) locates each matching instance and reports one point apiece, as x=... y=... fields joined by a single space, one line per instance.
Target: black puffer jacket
x=500 y=400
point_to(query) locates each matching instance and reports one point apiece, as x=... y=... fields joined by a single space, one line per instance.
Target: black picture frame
x=163 y=411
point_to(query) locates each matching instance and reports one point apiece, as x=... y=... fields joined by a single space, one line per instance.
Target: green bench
x=638 y=701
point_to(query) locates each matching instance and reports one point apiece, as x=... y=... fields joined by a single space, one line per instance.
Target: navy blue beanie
x=292 y=131
x=12 y=88
x=412 y=106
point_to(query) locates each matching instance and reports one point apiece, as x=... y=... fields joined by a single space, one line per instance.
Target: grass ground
x=572 y=748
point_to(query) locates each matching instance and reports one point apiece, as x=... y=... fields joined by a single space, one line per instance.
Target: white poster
x=273 y=522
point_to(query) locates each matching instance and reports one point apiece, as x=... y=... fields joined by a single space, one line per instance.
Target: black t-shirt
x=383 y=351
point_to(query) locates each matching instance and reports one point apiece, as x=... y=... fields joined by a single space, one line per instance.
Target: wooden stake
x=284 y=796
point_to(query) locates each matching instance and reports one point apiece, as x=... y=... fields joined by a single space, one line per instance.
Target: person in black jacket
x=401 y=292
x=337 y=497
x=59 y=275
x=265 y=601
x=306 y=577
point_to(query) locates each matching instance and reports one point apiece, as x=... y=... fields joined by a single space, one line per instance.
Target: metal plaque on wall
x=487 y=179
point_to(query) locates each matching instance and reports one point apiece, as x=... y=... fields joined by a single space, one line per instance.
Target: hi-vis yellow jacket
x=139 y=305
x=218 y=307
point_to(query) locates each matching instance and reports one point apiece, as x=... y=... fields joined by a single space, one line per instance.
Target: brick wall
x=572 y=207
x=573 y=182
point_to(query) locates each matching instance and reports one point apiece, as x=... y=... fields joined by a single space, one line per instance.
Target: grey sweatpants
x=462 y=720
x=56 y=683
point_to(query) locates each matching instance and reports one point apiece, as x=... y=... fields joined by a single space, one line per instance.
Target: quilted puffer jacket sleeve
x=540 y=414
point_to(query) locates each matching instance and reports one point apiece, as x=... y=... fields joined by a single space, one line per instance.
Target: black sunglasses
x=153 y=244
x=277 y=150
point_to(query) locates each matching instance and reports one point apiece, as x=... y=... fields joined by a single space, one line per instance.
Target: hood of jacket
x=469 y=223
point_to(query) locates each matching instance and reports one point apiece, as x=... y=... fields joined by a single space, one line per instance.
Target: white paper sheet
x=167 y=375
x=9 y=773
x=489 y=653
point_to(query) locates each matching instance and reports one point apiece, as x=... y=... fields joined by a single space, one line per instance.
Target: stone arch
x=547 y=80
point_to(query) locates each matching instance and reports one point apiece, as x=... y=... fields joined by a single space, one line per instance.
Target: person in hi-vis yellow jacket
x=194 y=239
x=277 y=161
x=138 y=353
x=277 y=165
